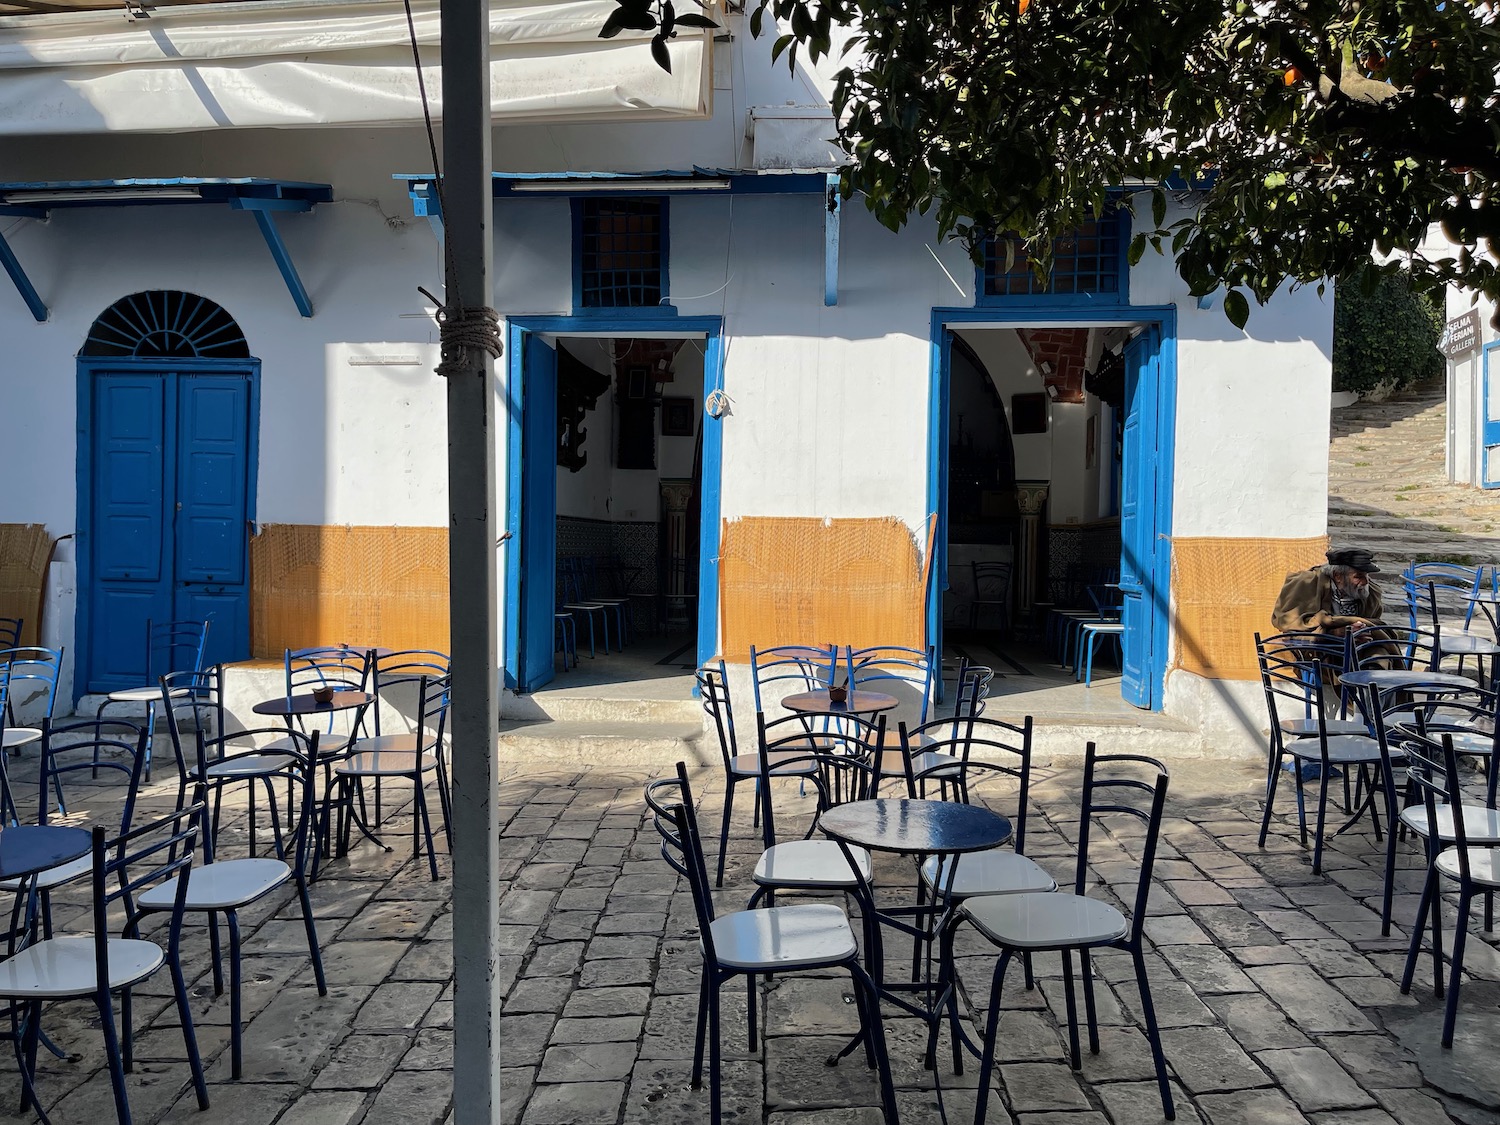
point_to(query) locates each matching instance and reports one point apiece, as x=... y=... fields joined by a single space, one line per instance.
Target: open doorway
x=1053 y=486
x=610 y=507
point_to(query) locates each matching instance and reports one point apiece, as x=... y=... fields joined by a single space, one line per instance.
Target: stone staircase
x=603 y=729
x=1388 y=491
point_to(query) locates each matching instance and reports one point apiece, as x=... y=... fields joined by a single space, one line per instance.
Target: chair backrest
x=434 y=695
x=1007 y=754
x=174 y=646
x=342 y=667
x=797 y=667
x=1387 y=646
x=196 y=694
x=1434 y=773
x=87 y=745
x=1446 y=585
x=902 y=672
x=1473 y=714
x=670 y=801
x=139 y=858
x=1319 y=658
x=1130 y=785
x=991 y=580
x=408 y=666
x=10 y=631
x=1108 y=600
x=848 y=761
x=31 y=675
x=298 y=755
x=713 y=690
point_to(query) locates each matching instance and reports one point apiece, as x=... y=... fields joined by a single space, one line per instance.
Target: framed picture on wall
x=1091 y=442
x=677 y=416
x=1028 y=414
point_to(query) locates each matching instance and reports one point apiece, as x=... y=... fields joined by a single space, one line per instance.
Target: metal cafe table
x=910 y=827
x=290 y=707
x=29 y=849
x=857 y=703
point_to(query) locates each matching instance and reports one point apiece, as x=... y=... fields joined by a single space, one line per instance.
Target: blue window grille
x=1087 y=265
x=621 y=249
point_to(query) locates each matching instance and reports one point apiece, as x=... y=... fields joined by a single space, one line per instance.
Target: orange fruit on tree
x=1024 y=4
x=1292 y=76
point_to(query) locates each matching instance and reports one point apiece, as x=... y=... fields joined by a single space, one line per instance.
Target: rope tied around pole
x=463 y=329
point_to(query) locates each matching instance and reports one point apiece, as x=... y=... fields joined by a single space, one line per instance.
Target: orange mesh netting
x=25 y=549
x=1223 y=591
x=316 y=585
x=792 y=580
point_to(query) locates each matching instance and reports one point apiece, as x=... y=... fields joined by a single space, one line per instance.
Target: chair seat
x=220 y=886
x=12 y=737
x=748 y=765
x=385 y=763
x=1481 y=825
x=782 y=937
x=1467 y=644
x=934 y=765
x=1103 y=627
x=64 y=966
x=143 y=695
x=1484 y=865
x=328 y=744
x=248 y=765
x=810 y=863
x=54 y=876
x=1308 y=728
x=997 y=872
x=1045 y=921
x=1347 y=749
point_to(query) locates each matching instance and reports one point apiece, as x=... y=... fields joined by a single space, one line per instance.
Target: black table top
x=285 y=705
x=28 y=848
x=858 y=703
x=926 y=827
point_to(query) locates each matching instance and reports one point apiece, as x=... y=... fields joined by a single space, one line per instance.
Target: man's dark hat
x=1356 y=557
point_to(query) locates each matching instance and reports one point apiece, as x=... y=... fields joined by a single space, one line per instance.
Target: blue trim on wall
x=83 y=468
x=712 y=328
x=1073 y=300
x=1008 y=316
x=661 y=308
x=1491 y=350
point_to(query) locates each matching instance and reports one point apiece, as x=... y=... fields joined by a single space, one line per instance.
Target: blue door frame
x=85 y=656
x=1489 y=433
x=711 y=328
x=1164 y=397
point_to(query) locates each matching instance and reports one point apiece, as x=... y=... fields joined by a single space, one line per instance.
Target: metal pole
x=472 y=536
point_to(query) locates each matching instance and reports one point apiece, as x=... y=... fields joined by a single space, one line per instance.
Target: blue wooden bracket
x=261 y=209
x=833 y=207
x=23 y=284
x=425 y=205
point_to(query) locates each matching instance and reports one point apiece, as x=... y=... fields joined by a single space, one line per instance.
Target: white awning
x=242 y=65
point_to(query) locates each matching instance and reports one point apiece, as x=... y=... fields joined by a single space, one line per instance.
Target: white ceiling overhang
x=328 y=62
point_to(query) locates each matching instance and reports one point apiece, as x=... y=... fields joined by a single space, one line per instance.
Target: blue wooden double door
x=167 y=495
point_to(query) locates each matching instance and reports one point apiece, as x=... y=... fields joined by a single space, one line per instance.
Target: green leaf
x=1158 y=207
x=692 y=19
x=1137 y=249
x=757 y=17
x=614 y=24
x=660 y=54
x=1236 y=308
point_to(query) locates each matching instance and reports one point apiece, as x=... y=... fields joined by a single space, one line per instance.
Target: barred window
x=1086 y=262
x=621 y=253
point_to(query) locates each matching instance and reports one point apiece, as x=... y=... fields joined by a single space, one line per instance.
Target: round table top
x=925 y=827
x=1392 y=678
x=858 y=703
x=11 y=737
x=285 y=705
x=1489 y=597
x=26 y=849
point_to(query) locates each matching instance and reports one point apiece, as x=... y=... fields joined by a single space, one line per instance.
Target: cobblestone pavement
x=1276 y=994
x=1387 y=489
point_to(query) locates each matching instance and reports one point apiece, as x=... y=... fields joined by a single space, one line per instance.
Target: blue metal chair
x=566 y=639
x=572 y=600
x=342 y=667
x=902 y=672
x=797 y=668
x=171 y=646
x=97 y=965
x=227 y=886
x=586 y=575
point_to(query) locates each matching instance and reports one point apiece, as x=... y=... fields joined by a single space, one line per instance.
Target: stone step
x=624 y=745
x=592 y=707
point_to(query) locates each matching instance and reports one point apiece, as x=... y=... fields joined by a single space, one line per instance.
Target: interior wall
x=1011 y=369
x=586 y=493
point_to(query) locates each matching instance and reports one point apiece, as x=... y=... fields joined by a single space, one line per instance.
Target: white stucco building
x=733 y=341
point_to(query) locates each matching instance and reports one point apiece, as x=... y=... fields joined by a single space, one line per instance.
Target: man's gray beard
x=1348 y=599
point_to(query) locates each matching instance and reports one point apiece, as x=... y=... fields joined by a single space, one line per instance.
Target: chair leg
x=236 y=1053
x=310 y=924
x=215 y=952
x=1419 y=926
x=1317 y=864
x=750 y=1008
x=1075 y=1056
x=1153 y=1034
x=991 y=1029
x=421 y=799
x=715 y=1060
x=1086 y=966
x=1456 y=963
x=112 y=1056
x=127 y=1040
x=876 y=1036
x=1272 y=777
x=185 y=1018
x=724 y=829
x=1388 y=894
x=704 y=988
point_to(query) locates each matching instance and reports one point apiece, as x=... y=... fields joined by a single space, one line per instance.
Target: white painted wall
x=1013 y=373
x=1466 y=391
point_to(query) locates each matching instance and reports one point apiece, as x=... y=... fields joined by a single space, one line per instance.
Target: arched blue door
x=167 y=429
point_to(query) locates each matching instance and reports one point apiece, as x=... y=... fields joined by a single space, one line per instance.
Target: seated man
x=1332 y=598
